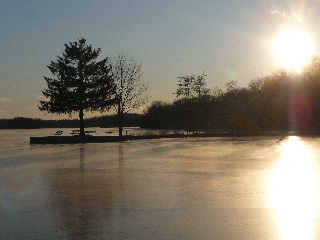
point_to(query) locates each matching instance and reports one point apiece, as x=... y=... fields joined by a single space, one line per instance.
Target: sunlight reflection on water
x=295 y=194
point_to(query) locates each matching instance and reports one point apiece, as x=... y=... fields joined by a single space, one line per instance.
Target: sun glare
x=293 y=48
x=295 y=194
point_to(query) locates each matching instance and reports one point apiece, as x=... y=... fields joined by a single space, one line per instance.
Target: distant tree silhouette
x=191 y=87
x=157 y=115
x=198 y=87
x=191 y=94
x=278 y=90
x=129 y=88
x=232 y=86
x=81 y=83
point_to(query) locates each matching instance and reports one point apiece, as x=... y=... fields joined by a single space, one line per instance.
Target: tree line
x=131 y=120
x=282 y=101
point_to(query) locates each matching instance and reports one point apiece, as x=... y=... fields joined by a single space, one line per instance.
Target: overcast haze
x=229 y=40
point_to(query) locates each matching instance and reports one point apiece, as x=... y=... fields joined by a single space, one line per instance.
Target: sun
x=293 y=48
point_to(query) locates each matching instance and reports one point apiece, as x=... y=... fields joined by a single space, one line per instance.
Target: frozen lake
x=195 y=188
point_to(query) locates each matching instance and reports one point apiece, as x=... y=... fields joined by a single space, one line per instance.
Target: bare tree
x=127 y=77
x=192 y=86
x=199 y=86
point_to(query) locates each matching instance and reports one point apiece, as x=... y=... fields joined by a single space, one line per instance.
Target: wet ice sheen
x=205 y=188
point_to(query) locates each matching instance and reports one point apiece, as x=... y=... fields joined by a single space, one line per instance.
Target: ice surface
x=196 y=188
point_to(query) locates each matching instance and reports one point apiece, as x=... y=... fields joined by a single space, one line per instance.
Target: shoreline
x=77 y=139
x=105 y=139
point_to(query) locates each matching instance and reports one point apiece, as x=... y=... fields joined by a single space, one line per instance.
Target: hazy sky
x=229 y=40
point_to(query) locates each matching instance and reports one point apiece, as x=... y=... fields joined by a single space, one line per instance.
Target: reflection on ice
x=295 y=193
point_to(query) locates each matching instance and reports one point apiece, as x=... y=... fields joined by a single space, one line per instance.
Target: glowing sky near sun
x=293 y=48
x=229 y=40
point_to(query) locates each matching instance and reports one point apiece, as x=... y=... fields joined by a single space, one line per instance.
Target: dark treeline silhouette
x=132 y=120
x=283 y=101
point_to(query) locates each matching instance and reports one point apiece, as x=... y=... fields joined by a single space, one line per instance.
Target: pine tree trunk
x=120 y=119
x=81 y=123
x=120 y=125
